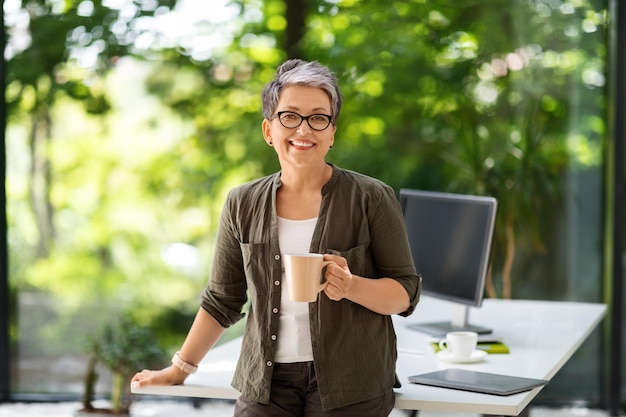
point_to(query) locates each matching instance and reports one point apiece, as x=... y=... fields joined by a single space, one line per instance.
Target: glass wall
x=123 y=142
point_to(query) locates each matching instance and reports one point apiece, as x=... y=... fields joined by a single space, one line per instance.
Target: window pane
x=115 y=211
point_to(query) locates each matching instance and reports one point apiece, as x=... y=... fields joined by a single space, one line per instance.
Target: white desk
x=541 y=336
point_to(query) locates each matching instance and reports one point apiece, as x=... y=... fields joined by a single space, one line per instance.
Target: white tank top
x=294 y=334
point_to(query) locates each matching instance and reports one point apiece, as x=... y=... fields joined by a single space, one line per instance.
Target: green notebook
x=489 y=347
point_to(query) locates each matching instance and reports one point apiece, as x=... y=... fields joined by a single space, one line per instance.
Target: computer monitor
x=450 y=238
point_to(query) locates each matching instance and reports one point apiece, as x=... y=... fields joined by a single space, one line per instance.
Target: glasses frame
x=303 y=118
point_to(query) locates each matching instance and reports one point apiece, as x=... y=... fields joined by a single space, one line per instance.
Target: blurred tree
x=440 y=103
x=62 y=49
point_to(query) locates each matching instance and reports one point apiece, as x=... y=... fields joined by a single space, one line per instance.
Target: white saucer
x=476 y=356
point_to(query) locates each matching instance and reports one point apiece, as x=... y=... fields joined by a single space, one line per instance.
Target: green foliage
x=458 y=109
x=437 y=102
x=124 y=347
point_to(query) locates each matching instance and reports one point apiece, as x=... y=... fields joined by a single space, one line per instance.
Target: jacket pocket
x=257 y=262
x=359 y=260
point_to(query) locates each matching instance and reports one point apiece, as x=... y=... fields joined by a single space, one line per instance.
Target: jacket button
x=269 y=363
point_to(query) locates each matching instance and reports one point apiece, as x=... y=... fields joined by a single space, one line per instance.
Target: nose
x=304 y=127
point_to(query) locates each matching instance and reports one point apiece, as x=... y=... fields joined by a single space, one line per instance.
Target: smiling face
x=301 y=146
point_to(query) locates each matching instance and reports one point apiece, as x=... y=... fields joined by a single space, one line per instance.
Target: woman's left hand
x=382 y=295
x=340 y=279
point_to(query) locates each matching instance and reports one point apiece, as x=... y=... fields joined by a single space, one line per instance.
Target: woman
x=335 y=356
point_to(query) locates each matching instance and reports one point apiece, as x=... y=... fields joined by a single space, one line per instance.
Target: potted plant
x=123 y=347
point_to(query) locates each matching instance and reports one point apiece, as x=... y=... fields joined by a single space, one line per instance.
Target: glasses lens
x=319 y=121
x=290 y=120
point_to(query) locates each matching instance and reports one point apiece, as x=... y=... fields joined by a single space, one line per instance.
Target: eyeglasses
x=292 y=120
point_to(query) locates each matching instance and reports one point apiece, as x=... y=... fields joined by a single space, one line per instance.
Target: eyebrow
x=316 y=110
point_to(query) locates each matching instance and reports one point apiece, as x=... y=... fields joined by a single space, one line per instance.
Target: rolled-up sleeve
x=390 y=246
x=225 y=295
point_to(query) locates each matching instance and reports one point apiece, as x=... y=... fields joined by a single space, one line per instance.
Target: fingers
x=136 y=382
x=140 y=379
x=339 y=260
x=147 y=378
x=334 y=293
x=338 y=276
x=136 y=377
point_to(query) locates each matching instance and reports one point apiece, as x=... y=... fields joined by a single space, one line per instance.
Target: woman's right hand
x=167 y=376
x=204 y=332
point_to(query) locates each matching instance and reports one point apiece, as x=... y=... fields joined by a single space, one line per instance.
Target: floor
x=176 y=408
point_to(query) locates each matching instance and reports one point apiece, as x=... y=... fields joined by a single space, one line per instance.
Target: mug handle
x=325 y=283
x=443 y=345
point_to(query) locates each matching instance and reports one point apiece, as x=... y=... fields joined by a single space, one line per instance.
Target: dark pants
x=294 y=393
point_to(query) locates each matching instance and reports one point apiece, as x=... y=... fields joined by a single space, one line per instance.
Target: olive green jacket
x=354 y=349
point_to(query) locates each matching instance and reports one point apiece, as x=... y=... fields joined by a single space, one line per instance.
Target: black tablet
x=483 y=382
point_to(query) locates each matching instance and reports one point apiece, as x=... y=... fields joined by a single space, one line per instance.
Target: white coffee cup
x=304 y=275
x=459 y=345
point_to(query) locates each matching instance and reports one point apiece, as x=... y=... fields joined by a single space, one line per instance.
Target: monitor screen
x=450 y=237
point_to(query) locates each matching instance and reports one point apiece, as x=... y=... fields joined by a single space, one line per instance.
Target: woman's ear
x=267 y=131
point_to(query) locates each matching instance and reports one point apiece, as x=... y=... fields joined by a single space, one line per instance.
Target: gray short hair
x=299 y=72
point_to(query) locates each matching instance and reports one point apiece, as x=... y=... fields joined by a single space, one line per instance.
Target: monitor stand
x=459 y=322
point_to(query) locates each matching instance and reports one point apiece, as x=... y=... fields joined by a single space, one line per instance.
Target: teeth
x=297 y=143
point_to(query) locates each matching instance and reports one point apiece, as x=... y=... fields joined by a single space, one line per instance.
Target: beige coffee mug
x=459 y=345
x=304 y=272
